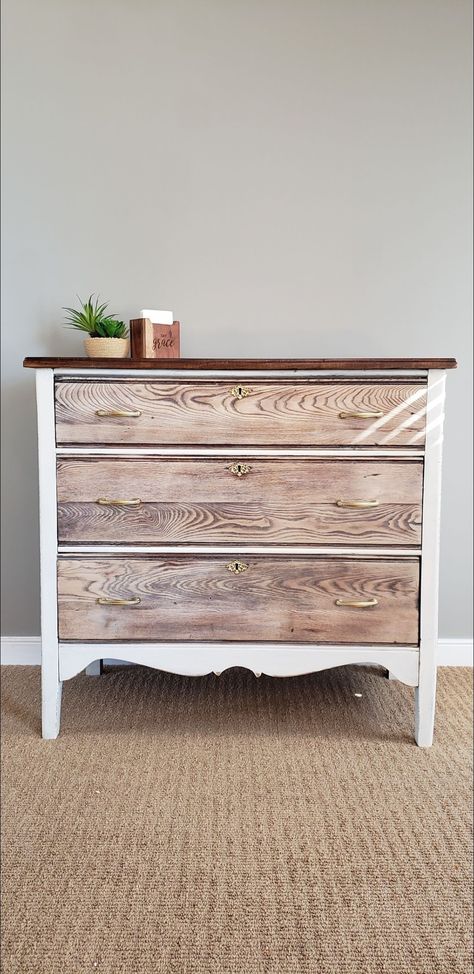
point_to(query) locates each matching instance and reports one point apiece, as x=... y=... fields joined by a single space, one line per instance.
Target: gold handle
x=240 y=469
x=107 y=501
x=367 y=415
x=357 y=503
x=102 y=601
x=356 y=603
x=236 y=567
x=240 y=392
x=131 y=413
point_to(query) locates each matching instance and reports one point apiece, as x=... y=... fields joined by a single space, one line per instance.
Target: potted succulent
x=106 y=337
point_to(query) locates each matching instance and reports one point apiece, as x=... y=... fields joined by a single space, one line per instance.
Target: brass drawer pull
x=240 y=392
x=108 y=501
x=361 y=504
x=236 y=567
x=134 y=601
x=357 y=603
x=240 y=469
x=362 y=415
x=129 y=413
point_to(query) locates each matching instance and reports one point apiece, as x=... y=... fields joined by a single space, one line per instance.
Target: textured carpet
x=221 y=825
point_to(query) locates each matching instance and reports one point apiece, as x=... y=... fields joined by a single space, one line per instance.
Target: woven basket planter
x=106 y=347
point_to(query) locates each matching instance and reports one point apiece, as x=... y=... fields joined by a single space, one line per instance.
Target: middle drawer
x=253 y=500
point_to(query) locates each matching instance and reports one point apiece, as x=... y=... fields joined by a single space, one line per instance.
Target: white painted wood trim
x=266 y=550
x=455 y=652
x=21 y=651
x=50 y=683
x=274 y=659
x=26 y=651
x=361 y=453
x=205 y=374
x=425 y=696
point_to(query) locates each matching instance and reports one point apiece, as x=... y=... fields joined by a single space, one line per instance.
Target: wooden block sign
x=148 y=340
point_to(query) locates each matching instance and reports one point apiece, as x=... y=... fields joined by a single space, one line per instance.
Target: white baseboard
x=455 y=652
x=21 y=650
x=26 y=651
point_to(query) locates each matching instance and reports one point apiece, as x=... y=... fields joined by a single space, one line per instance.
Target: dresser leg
x=51 y=692
x=95 y=668
x=425 y=693
x=425 y=700
x=50 y=683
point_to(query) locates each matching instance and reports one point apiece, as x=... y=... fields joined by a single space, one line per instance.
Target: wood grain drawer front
x=226 y=412
x=239 y=499
x=257 y=598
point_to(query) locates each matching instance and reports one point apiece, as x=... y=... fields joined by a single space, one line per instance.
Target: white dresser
x=277 y=515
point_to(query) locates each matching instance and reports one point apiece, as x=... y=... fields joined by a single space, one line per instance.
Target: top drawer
x=231 y=413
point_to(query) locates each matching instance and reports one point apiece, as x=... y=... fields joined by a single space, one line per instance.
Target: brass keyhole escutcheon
x=240 y=469
x=240 y=392
x=237 y=567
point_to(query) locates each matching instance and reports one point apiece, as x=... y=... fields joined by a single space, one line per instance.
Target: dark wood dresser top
x=236 y=364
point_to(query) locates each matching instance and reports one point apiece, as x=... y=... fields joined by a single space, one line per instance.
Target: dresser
x=279 y=515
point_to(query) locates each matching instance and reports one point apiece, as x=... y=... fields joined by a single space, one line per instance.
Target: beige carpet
x=221 y=825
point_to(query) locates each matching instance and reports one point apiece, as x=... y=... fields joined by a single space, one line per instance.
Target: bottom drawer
x=249 y=598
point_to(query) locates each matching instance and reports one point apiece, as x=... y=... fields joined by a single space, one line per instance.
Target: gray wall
x=291 y=177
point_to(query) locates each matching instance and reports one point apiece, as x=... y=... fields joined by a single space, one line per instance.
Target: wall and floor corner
x=285 y=177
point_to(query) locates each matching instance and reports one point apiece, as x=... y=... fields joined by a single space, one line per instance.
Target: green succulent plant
x=93 y=319
x=110 y=328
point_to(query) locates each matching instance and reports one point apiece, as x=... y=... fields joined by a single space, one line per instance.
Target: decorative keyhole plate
x=240 y=469
x=240 y=392
x=236 y=567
